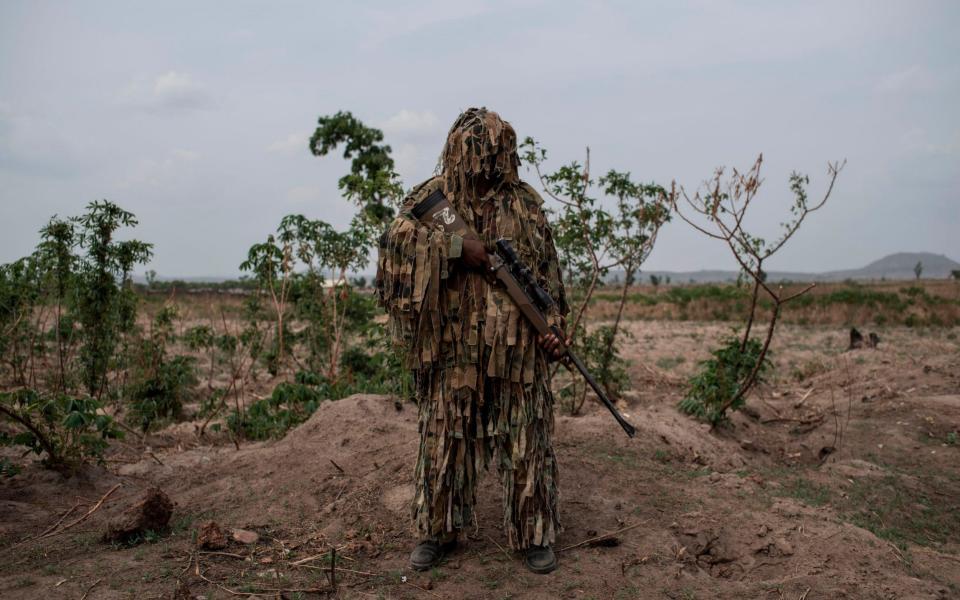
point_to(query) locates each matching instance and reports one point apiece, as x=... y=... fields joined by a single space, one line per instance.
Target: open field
x=911 y=303
x=839 y=480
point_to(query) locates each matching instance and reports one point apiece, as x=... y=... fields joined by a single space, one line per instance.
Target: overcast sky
x=196 y=116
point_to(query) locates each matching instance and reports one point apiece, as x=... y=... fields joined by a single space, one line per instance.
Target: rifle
x=518 y=281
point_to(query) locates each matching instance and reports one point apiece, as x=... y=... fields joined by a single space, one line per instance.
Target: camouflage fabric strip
x=459 y=436
x=481 y=379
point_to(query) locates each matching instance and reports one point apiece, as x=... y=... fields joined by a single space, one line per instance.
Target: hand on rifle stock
x=474 y=255
x=554 y=345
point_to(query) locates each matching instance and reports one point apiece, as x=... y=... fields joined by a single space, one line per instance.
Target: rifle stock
x=519 y=283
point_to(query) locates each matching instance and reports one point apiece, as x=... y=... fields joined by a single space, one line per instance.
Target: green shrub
x=7 y=468
x=683 y=295
x=159 y=383
x=720 y=379
x=602 y=360
x=290 y=404
x=67 y=430
x=160 y=394
x=369 y=370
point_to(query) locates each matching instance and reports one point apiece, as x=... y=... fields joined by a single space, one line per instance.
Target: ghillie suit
x=481 y=378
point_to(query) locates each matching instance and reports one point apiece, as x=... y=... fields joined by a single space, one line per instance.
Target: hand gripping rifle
x=518 y=281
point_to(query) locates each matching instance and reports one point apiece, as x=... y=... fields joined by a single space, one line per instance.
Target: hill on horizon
x=897 y=266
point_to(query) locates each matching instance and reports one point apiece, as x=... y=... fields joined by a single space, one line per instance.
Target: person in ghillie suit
x=480 y=370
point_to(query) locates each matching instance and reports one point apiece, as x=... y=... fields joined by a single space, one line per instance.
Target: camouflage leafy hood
x=480 y=145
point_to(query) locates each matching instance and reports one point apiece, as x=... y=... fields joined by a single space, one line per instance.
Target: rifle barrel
x=630 y=429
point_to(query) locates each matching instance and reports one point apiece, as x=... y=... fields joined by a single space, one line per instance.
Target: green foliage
x=21 y=294
x=720 y=379
x=320 y=293
x=7 y=468
x=602 y=358
x=159 y=383
x=372 y=183
x=67 y=315
x=594 y=234
x=105 y=301
x=66 y=430
x=290 y=404
x=918 y=269
x=162 y=390
x=372 y=370
x=591 y=236
x=684 y=295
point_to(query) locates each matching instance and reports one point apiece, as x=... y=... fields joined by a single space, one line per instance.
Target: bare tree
x=717 y=210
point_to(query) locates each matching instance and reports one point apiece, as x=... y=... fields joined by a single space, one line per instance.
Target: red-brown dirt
x=841 y=480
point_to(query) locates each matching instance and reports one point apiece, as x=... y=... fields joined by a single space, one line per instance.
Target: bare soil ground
x=840 y=480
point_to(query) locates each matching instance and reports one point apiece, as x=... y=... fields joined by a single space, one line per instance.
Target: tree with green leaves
x=105 y=301
x=74 y=291
x=595 y=233
x=372 y=183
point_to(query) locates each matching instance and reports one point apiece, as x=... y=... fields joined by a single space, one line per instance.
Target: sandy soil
x=840 y=480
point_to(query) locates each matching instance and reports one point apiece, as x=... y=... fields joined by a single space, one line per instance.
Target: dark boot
x=541 y=559
x=429 y=552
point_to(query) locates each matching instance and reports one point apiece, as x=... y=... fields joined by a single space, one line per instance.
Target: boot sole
x=423 y=567
x=443 y=552
x=542 y=570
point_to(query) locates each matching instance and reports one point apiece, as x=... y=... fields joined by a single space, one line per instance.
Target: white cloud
x=173 y=91
x=35 y=144
x=416 y=138
x=406 y=157
x=918 y=140
x=917 y=78
x=305 y=194
x=410 y=123
x=156 y=172
x=294 y=142
x=186 y=155
x=403 y=19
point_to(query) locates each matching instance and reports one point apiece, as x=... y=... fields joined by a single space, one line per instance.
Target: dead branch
x=501 y=548
x=262 y=591
x=89 y=589
x=602 y=537
x=88 y=513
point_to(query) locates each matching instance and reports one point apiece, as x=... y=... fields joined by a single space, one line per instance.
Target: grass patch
x=895 y=512
x=806 y=491
x=622 y=459
x=669 y=362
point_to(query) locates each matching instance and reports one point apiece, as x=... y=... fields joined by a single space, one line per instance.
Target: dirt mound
x=747 y=511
